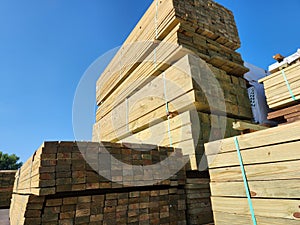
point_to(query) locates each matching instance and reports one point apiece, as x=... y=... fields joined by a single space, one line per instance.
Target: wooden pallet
x=270 y=158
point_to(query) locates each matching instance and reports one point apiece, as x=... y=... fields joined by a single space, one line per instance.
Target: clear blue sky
x=46 y=46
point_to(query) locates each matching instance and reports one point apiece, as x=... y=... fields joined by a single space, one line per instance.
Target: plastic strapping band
x=156 y=20
x=245 y=180
x=167 y=109
x=156 y=32
x=288 y=85
x=127 y=120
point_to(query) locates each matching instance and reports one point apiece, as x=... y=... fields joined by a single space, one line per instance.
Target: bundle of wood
x=271 y=159
x=7 y=178
x=160 y=206
x=198 y=201
x=282 y=87
x=72 y=183
x=179 y=60
x=75 y=166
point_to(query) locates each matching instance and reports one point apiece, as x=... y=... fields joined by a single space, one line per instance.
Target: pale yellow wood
x=240 y=125
x=278 y=74
x=174 y=80
x=285 y=133
x=269 y=171
x=288 y=189
x=180 y=104
x=221 y=218
x=159 y=134
x=274 y=208
x=273 y=153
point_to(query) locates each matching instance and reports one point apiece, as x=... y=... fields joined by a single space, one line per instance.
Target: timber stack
x=66 y=183
x=268 y=165
x=198 y=204
x=282 y=89
x=176 y=81
x=7 y=178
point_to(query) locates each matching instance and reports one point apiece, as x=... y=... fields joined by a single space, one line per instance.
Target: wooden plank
x=222 y=218
x=269 y=171
x=283 y=112
x=266 y=137
x=287 y=189
x=240 y=125
x=279 y=73
x=274 y=153
x=274 y=208
x=178 y=105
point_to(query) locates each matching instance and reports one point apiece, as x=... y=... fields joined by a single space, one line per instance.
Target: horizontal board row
x=282 y=87
x=162 y=206
x=157 y=23
x=270 y=159
x=76 y=166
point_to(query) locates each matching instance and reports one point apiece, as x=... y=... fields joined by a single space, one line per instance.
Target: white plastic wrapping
x=256 y=94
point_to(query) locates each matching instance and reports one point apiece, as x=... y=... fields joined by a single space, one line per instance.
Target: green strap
x=167 y=109
x=288 y=85
x=245 y=180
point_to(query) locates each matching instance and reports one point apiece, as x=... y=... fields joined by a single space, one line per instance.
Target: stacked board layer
x=85 y=183
x=271 y=161
x=7 y=178
x=198 y=201
x=189 y=87
x=178 y=65
x=286 y=115
x=282 y=88
x=202 y=23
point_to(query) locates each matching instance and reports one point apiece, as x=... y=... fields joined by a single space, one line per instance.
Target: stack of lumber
x=198 y=201
x=271 y=161
x=286 y=115
x=212 y=127
x=282 y=87
x=75 y=166
x=146 y=109
x=202 y=26
x=153 y=206
x=179 y=58
x=7 y=178
x=100 y=183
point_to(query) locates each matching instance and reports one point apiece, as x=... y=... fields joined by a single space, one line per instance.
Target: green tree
x=9 y=162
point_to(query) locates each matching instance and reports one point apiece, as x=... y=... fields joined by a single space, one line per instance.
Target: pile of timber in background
x=7 y=178
x=283 y=92
x=271 y=160
x=198 y=204
x=60 y=184
x=136 y=87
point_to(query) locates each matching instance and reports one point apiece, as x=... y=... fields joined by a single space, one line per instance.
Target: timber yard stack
x=7 y=178
x=58 y=186
x=198 y=202
x=176 y=81
x=282 y=89
x=267 y=169
x=176 y=74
